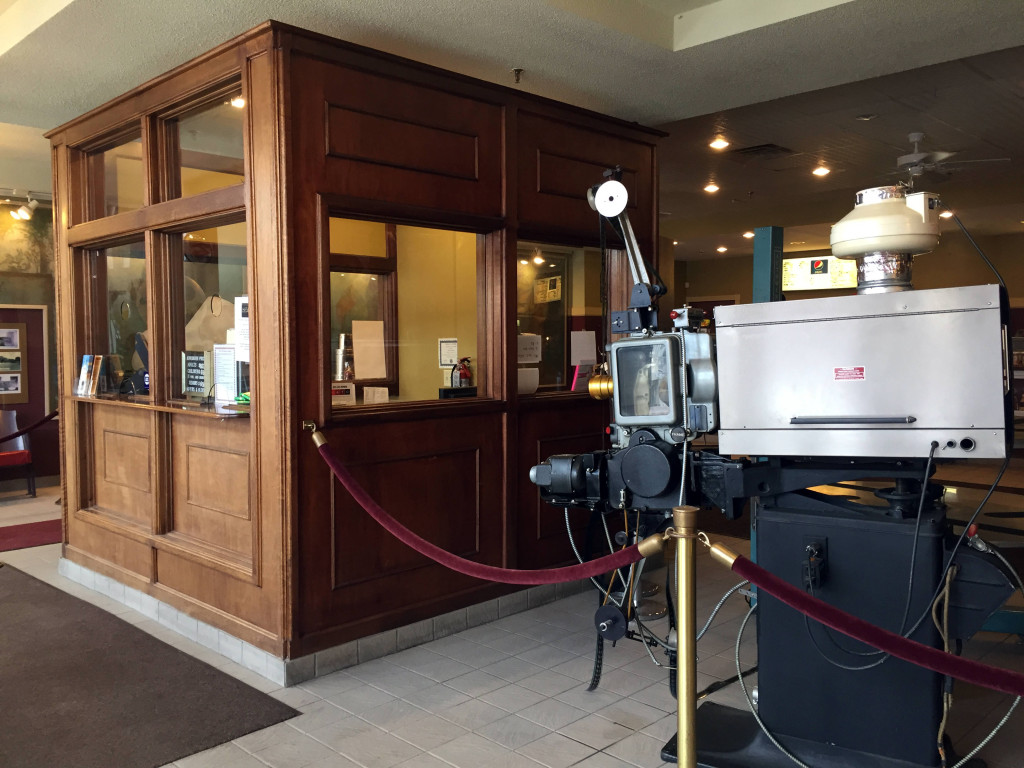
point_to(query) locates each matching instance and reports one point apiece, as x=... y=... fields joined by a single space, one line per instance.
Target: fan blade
x=980 y=160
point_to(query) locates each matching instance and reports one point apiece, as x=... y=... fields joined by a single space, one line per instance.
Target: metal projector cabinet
x=876 y=375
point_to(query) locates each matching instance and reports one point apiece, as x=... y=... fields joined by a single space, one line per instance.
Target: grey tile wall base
x=286 y=672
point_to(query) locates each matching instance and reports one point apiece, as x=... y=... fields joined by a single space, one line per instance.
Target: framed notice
x=14 y=379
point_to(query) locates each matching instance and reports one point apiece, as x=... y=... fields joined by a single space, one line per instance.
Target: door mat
x=80 y=687
x=30 y=535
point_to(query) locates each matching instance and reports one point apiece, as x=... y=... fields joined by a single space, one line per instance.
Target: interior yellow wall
x=586 y=283
x=196 y=180
x=358 y=238
x=437 y=299
x=129 y=179
x=193 y=180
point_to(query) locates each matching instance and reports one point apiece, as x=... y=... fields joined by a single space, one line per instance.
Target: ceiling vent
x=768 y=157
x=761 y=152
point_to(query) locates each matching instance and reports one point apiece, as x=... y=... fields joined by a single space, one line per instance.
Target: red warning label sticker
x=850 y=373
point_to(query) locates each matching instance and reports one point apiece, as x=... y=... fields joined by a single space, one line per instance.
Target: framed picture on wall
x=24 y=359
x=10 y=383
x=10 y=360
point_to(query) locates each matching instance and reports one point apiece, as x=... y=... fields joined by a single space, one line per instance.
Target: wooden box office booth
x=337 y=190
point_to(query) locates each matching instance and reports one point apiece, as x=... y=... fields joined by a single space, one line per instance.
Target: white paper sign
x=368 y=349
x=529 y=348
x=343 y=393
x=582 y=348
x=224 y=386
x=242 y=329
x=375 y=394
x=447 y=352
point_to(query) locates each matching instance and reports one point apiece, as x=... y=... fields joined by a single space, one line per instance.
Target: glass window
x=436 y=300
x=395 y=292
x=115 y=178
x=212 y=334
x=558 y=292
x=355 y=296
x=117 y=283
x=210 y=146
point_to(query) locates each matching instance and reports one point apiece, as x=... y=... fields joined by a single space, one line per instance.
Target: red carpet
x=30 y=535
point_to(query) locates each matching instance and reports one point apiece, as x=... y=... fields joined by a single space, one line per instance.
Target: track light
x=25 y=212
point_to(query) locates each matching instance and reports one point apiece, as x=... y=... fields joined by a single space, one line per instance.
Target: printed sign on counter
x=529 y=348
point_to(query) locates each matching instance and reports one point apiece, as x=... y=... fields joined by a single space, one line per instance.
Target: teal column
x=767 y=264
x=767 y=287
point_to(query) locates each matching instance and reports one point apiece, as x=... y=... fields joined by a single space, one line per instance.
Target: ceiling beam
x=23 y=17
x=725 y=18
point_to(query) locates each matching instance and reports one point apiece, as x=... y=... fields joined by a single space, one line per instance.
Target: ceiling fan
x=916 y=163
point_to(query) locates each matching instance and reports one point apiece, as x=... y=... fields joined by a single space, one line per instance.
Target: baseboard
x=286 y=672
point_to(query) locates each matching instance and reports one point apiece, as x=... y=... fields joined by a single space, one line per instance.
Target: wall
x=437 y=299
x=953 y=263
x=721 y=277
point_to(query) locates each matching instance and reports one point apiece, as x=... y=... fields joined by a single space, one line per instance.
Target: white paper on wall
x=447 y=352
x=582 y=348
x=368 y=349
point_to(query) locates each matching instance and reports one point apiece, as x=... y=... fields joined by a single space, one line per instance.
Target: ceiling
x=792 y=74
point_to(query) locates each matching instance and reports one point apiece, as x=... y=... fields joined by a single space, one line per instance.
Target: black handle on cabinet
x=853 y=420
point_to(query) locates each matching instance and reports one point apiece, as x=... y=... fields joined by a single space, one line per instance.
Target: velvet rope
x=922 y=655
x=619 y=559
x=29 y=428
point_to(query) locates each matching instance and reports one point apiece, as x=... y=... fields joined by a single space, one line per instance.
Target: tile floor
x=17 y=508
x=512 y=694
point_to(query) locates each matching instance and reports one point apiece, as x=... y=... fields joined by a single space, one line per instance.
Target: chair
x=15 y=455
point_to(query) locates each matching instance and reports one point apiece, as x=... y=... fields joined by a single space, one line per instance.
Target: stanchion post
x=684 y=521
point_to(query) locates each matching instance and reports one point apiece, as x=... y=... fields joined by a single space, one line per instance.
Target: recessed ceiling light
x=675 y=242
x=719 y=143
x=721 y=249
x=523 y=261
x=867 y=116
x=712 y=187
x=237 y=102
x=821 y=170
x=748 y=235
x=946 y=215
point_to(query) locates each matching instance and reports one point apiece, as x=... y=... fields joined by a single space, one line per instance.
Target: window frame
x=386 y=268
x=168 y=144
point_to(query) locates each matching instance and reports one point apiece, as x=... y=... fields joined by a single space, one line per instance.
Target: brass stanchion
x=685 y=523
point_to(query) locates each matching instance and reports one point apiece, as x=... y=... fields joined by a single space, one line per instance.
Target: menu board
x=816 y=273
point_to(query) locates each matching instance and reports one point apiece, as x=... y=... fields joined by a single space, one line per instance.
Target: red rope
x=922 y=655
x=29 y=428
x=586 y=570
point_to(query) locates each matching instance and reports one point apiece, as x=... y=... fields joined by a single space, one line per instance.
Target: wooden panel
x=381 y=139
x=106 y=545
x=441 y=476
x=557 y=162
x=211 y=483
x=123 y=476
x=386 y=140
x=447 y=513
x=549 y=426
x=213 y=596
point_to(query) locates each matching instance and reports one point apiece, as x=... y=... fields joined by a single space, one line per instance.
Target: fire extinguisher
x=462 y=375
